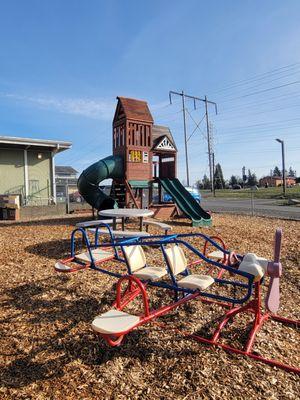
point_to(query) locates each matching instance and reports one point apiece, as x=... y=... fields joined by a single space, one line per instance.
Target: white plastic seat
x=114 y=322
x=150 y=273
x=98 y=254
x=254 y=265
x=178 y=264
x=194 y=281
x=136 y=260
x=60 y=267
x=252 y=257
x=216 y=255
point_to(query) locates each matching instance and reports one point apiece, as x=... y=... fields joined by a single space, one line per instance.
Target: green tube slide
x=111 y=167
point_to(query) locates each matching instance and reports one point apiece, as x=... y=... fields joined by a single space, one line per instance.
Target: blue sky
x=64 y=62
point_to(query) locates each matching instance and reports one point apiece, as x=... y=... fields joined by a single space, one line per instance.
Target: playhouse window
x=145 y=136
x=115 y=144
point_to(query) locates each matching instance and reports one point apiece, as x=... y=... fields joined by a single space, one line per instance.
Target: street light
x=283 y=166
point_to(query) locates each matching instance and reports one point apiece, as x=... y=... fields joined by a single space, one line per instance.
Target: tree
x=219 y=179
x=252 y=180
x=276 y=171
x=199 y=184
x=206 y=182
x=292 y=172
x=233 y=180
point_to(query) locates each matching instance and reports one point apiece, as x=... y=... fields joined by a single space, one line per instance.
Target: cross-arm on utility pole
x=195 y=99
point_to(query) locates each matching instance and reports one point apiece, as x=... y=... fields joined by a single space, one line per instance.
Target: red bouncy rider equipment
x=247 y=274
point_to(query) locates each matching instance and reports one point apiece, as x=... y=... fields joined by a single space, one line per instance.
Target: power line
x=267 y=82
x=256 y=77
x=259 y=112
x=263 y=102
x=263 y=91
x=266 y=123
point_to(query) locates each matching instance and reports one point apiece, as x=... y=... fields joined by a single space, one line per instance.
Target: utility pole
x=185 y=141
x=244 y=176
x=283 y=166
x=213 y=167
x=209 y=147
x=183 y=96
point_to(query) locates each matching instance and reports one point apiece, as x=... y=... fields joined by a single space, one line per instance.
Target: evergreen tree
x=219 y=179
x=292 y=172
x=276 y=171
x=233 y=180
x=199 y=184
x=206 y=182
x=252 y=180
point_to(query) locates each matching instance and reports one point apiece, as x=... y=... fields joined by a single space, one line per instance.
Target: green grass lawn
x=261 y=193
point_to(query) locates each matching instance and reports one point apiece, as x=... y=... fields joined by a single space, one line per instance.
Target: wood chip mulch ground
x=48 y=350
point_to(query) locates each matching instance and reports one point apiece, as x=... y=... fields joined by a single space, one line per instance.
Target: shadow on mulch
x=49 y=328
x=70 y=221
x=53 y=248
x=178 y=222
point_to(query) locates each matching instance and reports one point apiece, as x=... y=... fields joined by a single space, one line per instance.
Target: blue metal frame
x=161 y=241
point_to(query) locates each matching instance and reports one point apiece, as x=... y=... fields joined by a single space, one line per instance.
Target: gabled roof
x=159 y=132
x=66 y=170
x=134 y=109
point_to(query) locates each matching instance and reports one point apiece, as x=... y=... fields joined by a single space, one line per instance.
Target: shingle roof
x=135 y=109
x=60 y=169
x=158 y=132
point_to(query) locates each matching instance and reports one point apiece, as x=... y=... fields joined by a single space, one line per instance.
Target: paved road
x=262 y=207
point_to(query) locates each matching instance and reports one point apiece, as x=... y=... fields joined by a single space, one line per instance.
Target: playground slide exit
x=186 y=202
x=111 y=167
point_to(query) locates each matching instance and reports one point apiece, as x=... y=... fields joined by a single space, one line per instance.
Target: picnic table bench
x=120 y=234
x=97 y=222
x=160 y=225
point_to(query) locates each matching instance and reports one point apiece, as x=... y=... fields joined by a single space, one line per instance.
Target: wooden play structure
x=143 y=167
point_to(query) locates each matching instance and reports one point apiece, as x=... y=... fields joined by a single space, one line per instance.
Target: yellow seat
x=114 y=322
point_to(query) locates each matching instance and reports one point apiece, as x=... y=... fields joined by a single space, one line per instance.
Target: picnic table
x=124 y=213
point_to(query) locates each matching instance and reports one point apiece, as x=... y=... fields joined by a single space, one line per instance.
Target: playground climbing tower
x=132 y=139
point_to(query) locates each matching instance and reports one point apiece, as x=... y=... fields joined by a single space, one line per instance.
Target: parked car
x=194 y=192
x=75 y=197
x=236 y=187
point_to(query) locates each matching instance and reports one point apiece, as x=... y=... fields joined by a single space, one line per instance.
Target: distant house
x=274 y=181
x=27 y=168
x=66 y=180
